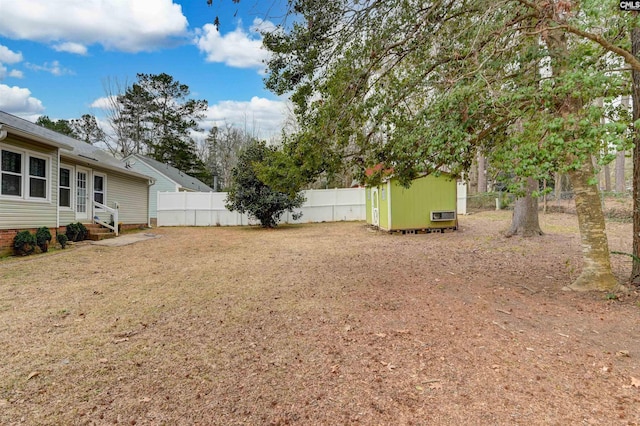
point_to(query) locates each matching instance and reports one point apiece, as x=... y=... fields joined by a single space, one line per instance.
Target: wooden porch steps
x=96 y=232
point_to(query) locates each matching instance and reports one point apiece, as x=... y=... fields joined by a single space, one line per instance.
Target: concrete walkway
x=124 y=240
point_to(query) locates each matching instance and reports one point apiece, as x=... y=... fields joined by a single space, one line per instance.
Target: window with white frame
x=37 y=178
x=64 y=188
x=99 y=188
x=24 y=174
x=11 y=173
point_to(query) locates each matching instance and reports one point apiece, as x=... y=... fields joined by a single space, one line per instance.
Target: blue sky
x=57 y=57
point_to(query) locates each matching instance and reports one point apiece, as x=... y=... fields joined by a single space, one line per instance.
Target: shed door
x=375 y=210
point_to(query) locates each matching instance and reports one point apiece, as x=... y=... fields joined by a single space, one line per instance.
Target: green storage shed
x=428 y=205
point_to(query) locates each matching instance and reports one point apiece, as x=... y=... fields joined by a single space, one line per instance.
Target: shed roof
x=181 y=178
x=388 y=173
x=378 y=168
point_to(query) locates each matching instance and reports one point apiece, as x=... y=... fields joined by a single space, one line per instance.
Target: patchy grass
x=319 y=324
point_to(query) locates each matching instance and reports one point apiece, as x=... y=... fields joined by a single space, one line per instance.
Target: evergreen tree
x=157 y=116
x=60 y=126
x=132 y=119
x=86 y=129
x=249 y=194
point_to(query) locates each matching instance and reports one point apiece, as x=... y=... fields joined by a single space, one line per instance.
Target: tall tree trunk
x=596 y=272
x=482 y=173
x=525 y=213
x=635 y=269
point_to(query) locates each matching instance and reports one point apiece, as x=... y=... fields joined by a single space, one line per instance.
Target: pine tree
x=61 y=126
x=158 y=116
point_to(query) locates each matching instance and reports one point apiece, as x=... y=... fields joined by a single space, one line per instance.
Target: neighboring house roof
x=183 y=180
x=70 y=148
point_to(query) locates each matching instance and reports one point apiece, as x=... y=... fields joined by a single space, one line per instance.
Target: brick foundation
x=6 y=241
x=7 y=236
x=129 y=226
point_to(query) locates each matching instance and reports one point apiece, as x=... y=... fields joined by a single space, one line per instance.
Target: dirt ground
x=320 y=324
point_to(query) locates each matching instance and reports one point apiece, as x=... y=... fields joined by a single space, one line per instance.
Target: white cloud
x=54 y=68
x=69 y=47
x=18 y=101
x=260 y=116
x=7 y=56
x=127 y=25
x=238 y=49
x=103 y=103
x=262 y=26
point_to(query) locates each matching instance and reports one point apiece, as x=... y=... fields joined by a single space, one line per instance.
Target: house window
x=64 y=197
x=37 y=177
x=99 y=188
x=11 y=173
x=24 y=175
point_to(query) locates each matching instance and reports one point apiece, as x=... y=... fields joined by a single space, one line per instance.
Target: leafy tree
x=602 y=23
x=635 y=80
x=326 y=31
x=421 y=87
x=249 y=194
x=60 y=126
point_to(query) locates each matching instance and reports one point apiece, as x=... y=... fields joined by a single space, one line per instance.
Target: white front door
x=375 y=209
x=83 y=206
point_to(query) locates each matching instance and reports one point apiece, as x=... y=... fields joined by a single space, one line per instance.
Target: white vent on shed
x=440 y=216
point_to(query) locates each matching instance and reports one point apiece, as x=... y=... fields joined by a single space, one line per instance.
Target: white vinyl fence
x=207 y=208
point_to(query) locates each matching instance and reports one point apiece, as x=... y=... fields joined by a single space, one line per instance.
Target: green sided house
x=429 y=204
x=49 y=179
